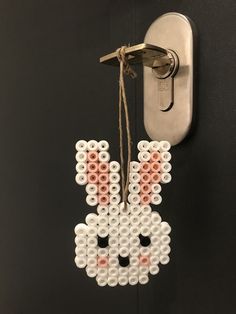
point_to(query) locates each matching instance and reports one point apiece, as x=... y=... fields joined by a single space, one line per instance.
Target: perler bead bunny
x=122 y=244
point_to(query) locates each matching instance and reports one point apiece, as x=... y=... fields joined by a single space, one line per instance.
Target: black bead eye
x=102 y=242
x=123 y=261
x=144 y=241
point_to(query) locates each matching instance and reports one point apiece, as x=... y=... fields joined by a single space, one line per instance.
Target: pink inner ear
x=92 y=167
x=103 y=188
x=145 y=199
x=103 y=199
x=92 y=178
x=93 y=156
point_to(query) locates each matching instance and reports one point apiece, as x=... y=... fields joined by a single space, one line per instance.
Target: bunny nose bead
x=123 y=261
x=102 y=261
x=144 y=260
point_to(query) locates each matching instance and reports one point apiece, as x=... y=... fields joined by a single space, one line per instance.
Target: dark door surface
x=53 y=91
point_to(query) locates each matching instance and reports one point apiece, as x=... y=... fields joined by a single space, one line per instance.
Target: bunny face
x=122 y=244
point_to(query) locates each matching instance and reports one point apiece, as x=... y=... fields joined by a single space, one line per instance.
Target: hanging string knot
x=127 y=69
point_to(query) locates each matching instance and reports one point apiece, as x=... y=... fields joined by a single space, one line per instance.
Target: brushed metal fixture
x=168 y=76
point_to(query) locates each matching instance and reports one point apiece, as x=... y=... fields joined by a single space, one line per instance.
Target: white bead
x=92 y=262
x=165 y=239
x=80 y=251
x=92 y=200
x=81 y=229
x=81 y=145
x=113 y=220
x=134 y=261
x=134 y=241
x=80 y=261
x=143 y=270
x=112 y=281
x=133 y=280
x=114 y=177
x=101 y=281
x=155 y=240
x=81 y=167
x=81 y=178
x=156 y=199
x=154 y=146
x=134 y=177
x=165 y=249
x=164 y=146
x=114 y=210
x=134 y=231
x=134 y=166
x=143 y=146
x=164 y=259
x=113 y=251
x=114 y=188
x=113 y=241
x=113 y=271
x=113 y=261
x=103 y=156
x=103 y=145
x=165 y=156
x=91 y=189
x=156 y=229
x=165 y=177
x=134 y=188
x=91 y=271
x=156 y=218
x=114 y=166
x=80 y=241
x=156 y=188
x=133 y=270
x=123 y=271
x=134 y=220
x=124 y=210
x=81 y=156
x=123 y=241
x=115 y=199
x=91 y=219
x=165 y=167
x=92 y=241
x=135 y=209
x=134 y=251
x=143 y=279
x=165 y=227
x=102 y=220
x=154 y=260
x=146 y=209
x=145 y=220
x=102 y=251
x=145 y=230
x=92 y=145
x=155 y=250
x=103 y=231
x=124 y=220
x=154 y=269
x=124 y=230
x=113 y=231
x=92 y=252
x=143 y=156
x=124 y=251
x=123 y=280
x=92 y=231
x=144 y=251
x=102 y=209
x=102 y=272
x=134 y=199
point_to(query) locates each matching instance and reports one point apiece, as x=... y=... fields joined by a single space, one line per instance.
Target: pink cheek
x=92 y=156
x=102 y=262
x=145 y=199
x=103 y=167
x=144 y=260
x=92 y=178
x=103 y=199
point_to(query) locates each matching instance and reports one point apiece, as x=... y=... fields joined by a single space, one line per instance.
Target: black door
x=53 y=91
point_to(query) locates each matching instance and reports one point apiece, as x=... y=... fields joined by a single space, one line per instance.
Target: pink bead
x=145 y=188
x=145 y=166
x=103 y=189
x=155 y=156
x=102 y=261
x=144 y=260
x=103 y=178
x=155 y=177
x=103 y=167
x=92 y=167
x=103 y=199
x=155 y=166
x=92 y=156
x=145 y=199
x=92 y=178
x=145 y=177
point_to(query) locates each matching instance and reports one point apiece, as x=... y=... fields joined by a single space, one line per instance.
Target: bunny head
x=122 y=244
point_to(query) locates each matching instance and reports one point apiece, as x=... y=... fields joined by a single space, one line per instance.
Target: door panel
x=53 y=91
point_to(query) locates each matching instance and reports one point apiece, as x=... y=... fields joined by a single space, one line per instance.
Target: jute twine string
x=125 y=69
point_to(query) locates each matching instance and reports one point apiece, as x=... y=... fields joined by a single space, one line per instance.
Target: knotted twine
x=125 y=69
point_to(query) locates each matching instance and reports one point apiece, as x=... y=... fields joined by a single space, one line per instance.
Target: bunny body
x=122 y=244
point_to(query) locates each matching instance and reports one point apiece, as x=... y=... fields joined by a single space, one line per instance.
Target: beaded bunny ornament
x=122 y=244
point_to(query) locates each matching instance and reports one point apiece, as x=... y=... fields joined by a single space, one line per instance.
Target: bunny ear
x=146 y=175
x=95 y=170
